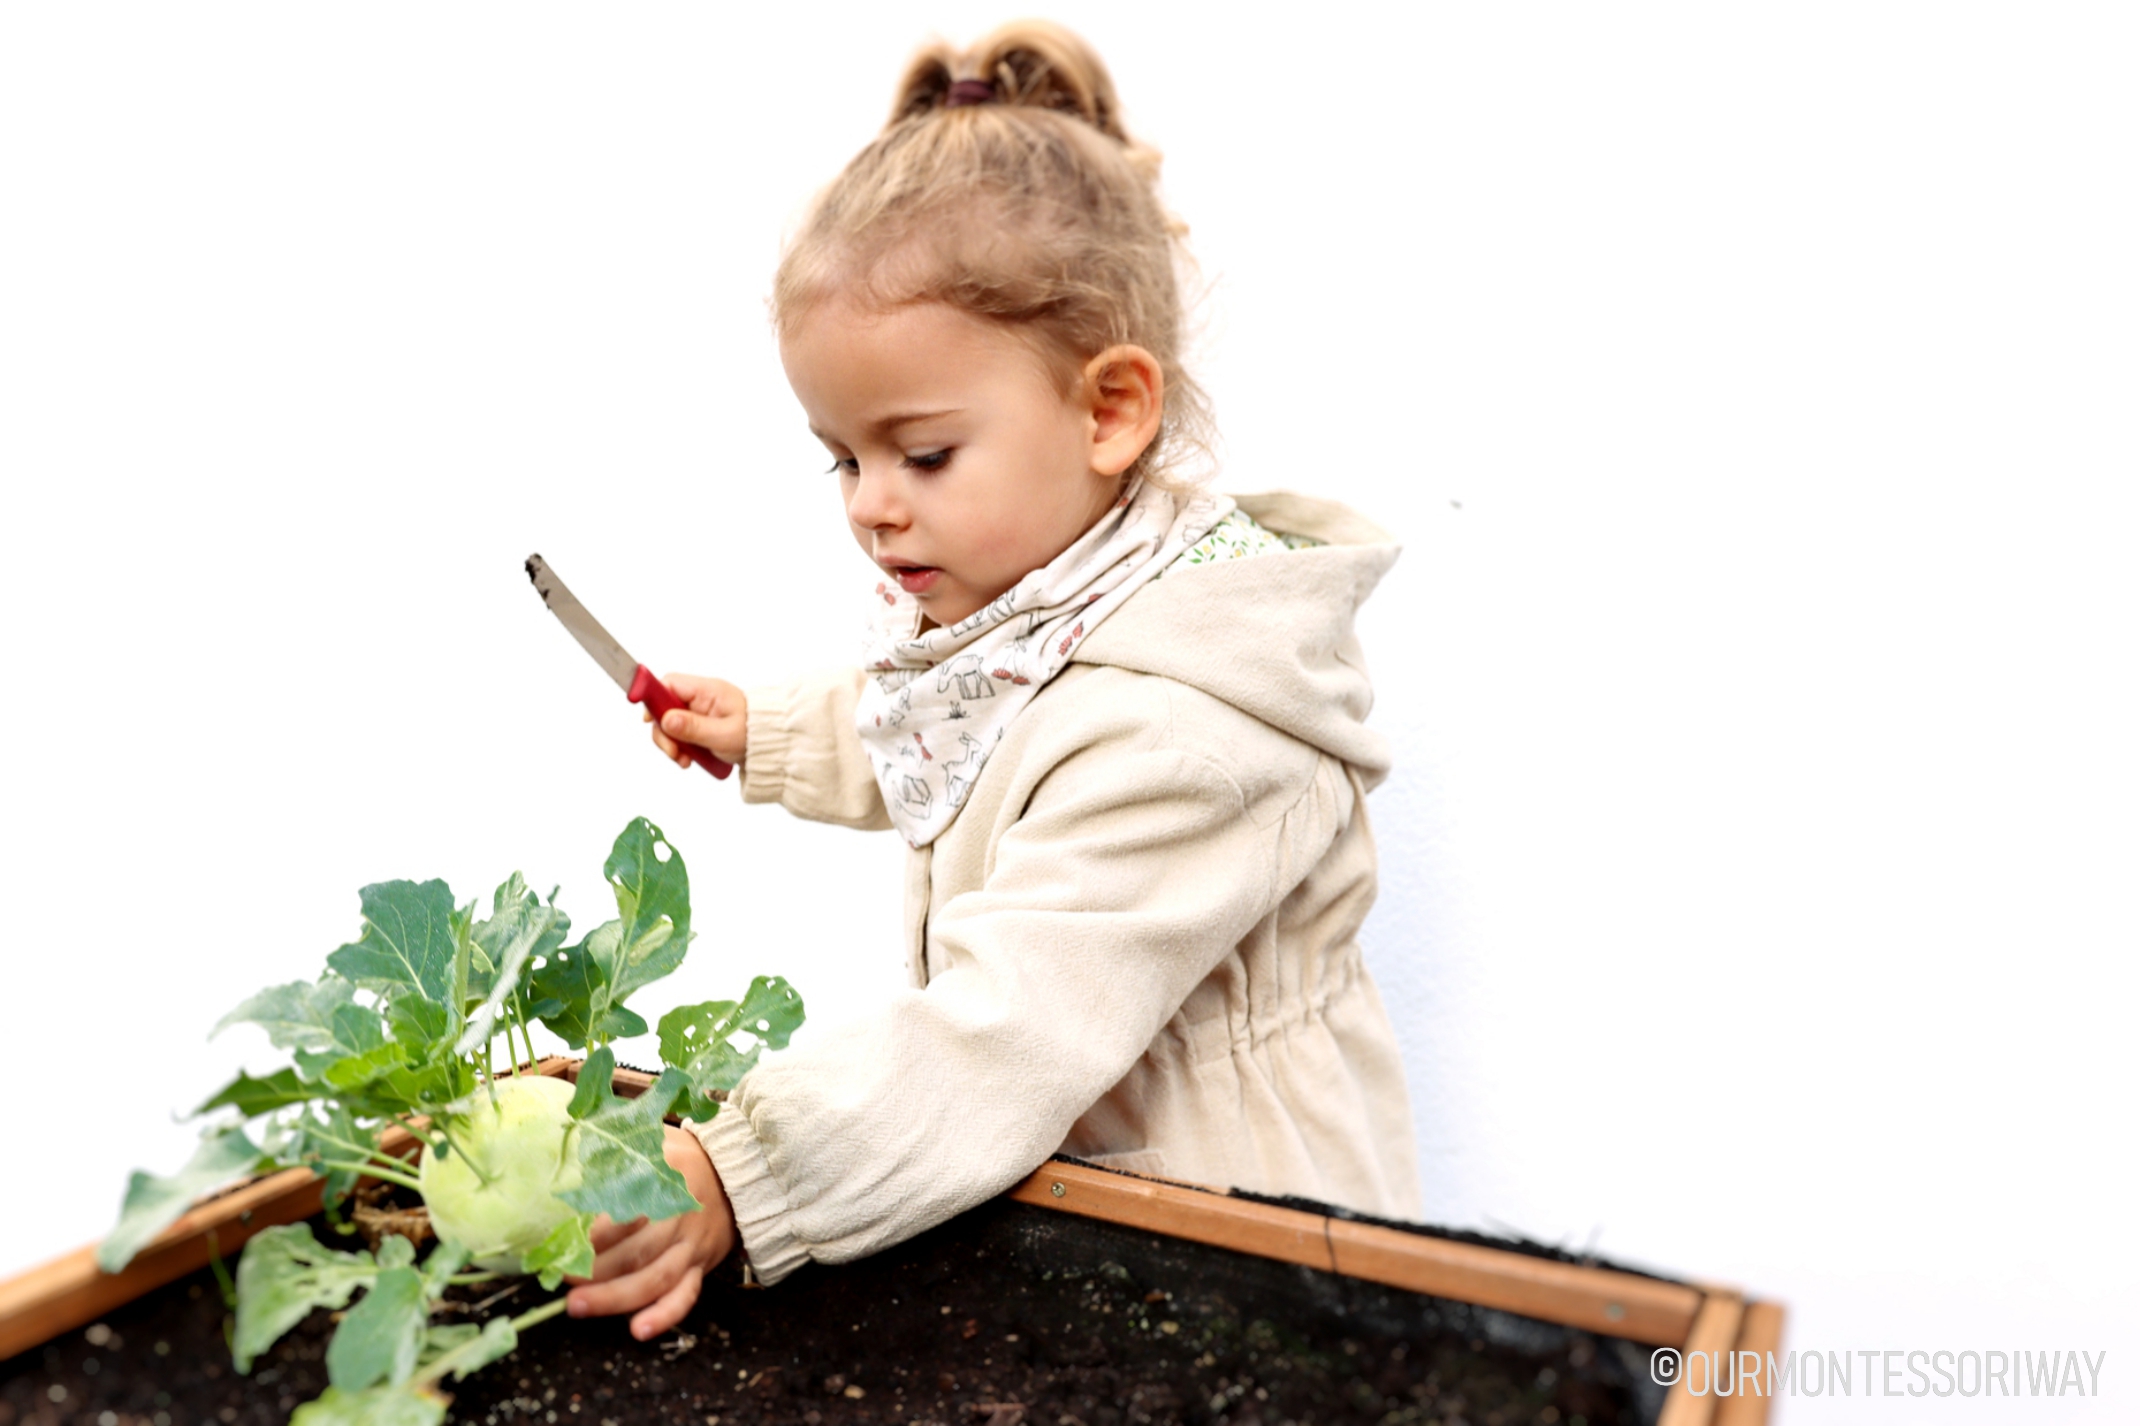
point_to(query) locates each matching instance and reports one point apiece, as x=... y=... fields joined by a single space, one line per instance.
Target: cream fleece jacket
x=1136 y=943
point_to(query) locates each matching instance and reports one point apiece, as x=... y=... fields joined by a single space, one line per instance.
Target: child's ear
x=1124 y=392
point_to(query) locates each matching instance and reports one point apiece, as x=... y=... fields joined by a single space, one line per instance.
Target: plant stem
x=473 y=1167
x=527 y=1036
x=438 y=1369
x=222 y=1273
x=420 y=1135
x=471 y=1279
x=370 y=1151
x=535 y=1315
x=374 y=1169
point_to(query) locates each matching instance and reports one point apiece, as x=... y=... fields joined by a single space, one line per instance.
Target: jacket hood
x=1270 y=634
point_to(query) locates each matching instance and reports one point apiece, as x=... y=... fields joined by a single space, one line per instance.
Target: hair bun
x=1029 y=64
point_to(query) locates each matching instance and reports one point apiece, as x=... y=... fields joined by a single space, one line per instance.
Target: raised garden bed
x=1083 y=1296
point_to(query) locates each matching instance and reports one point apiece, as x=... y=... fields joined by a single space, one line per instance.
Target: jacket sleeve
x=801 y=751
x=1129 y=875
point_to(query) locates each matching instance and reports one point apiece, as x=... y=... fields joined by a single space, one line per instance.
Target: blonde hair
x=1036 y=210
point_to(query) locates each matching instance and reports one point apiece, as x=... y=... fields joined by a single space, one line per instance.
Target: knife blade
x=638 y=682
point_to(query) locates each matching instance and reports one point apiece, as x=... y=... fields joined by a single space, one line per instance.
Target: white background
x=1755 y=394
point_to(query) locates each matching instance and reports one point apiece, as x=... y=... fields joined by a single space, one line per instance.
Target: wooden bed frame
x=71 y=1291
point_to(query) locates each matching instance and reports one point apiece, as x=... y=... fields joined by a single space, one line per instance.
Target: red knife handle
x=655 y=694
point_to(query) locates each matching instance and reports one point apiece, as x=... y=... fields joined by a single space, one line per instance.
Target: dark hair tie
x=970 y=91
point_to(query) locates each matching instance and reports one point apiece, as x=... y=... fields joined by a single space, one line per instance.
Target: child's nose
x=873 y=502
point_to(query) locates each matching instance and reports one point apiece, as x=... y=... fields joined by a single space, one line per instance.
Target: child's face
x=962 y=466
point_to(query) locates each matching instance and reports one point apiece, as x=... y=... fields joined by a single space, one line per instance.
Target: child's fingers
x=634 y=1290
x=687 y=727
x=722 y=734
x=663 y=741
x=670 y=1308
x=703 y=694
x=626 y=1255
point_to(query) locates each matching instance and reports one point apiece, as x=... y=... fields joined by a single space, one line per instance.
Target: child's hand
x=716 y=719
x=653 y=1270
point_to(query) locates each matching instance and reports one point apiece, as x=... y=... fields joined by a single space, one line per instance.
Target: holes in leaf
x=662 y=852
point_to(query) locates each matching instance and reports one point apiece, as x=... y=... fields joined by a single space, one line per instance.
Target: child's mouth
x=915 y=578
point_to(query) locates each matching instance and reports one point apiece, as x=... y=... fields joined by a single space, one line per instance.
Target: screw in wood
x=1059 y=1190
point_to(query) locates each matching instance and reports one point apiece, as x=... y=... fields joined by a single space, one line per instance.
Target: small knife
x=637 y=681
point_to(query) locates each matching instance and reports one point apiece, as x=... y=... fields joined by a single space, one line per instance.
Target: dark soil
x=1007 y=1316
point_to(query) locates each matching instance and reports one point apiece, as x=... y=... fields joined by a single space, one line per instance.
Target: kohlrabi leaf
x=419 y=1026
x=463 y=1347
x=379 y=1406
x=408 y=942
x=567 y=1252
x=451 y=1337
x=521 y=928
x=575 y=996
x=623 y=1171
x=380 y=1088
x=395 y=1251
x=497 y=1339
x=653 y=904
x=381 y=1336
x=297 y=1016
x=446 y=1259
x=153 y=1204
x=357 y=1071
x=351 y=1030
x=254 y=1097
x=700 y=1039
x=283 y=1275
x=589 y=982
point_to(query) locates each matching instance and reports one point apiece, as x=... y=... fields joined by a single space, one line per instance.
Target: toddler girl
x=1117 y=721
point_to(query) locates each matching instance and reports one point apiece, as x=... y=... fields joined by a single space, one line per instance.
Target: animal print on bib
x=939 y=700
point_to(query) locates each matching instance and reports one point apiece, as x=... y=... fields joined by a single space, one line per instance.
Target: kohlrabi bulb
x=522 y=1145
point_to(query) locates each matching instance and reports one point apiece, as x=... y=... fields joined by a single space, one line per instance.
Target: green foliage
x=381 y=1337
x=352 y=1032
x=567 y=1252
x=461 y=1347
x=255 y=1097
x=402 y=1028
x=700 y=1039
x=297 y=1016
x=408 y=941
x=497 y=1338
x=284 y=1274
x=584 y=986
x=325 y=1141
x=521 y=928
x=622 y=1169
x=153 y=1204
x=381 y=1406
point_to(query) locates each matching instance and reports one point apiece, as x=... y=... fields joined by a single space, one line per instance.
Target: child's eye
x=934 y=460
x=846 y=464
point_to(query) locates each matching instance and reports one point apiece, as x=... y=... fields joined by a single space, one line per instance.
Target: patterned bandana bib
x=939 y=701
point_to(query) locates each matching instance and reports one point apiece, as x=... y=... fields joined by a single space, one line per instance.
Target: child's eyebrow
x=889 y=425
x=892 y=423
